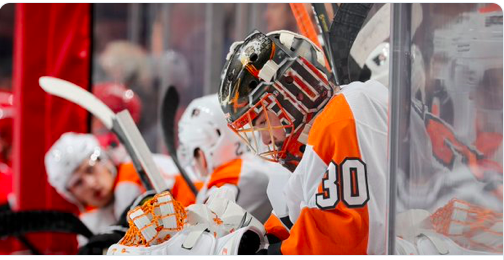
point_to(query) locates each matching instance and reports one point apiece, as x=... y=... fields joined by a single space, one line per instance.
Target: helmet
x=282 y=72
x=6 y=124
x=118 y=97
x=65 y=156
x=203 y=126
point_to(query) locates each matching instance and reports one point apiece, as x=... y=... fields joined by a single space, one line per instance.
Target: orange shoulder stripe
x=226 y=174
x=334 y=135
x=182 y=193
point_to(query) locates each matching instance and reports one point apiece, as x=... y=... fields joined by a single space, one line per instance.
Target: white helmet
x=204 y=126
x=66 y=154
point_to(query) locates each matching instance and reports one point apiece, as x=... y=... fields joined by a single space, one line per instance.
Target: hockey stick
x=348 y=20
x=6 y=208
x=168 y=113
x=304 y=22
x=323 y=24
x=121 y=124
x=306 y=27
x=22 y=222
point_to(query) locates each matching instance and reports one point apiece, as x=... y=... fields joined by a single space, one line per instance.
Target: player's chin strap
x=303 y=137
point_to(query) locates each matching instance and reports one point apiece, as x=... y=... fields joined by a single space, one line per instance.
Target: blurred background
x=452 y=131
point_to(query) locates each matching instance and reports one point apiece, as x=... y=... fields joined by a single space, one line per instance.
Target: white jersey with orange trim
x=247 y=177
x=336 y=197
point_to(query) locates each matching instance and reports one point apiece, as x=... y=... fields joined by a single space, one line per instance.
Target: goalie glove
x=206 y=244
x=219 y=227
x=223 y=218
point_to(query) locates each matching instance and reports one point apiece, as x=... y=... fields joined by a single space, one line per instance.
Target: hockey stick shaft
x=304 y=22
x=323 y=23
x=306 y=26
x=346 y=24
x=168 y=112
x=135 y=144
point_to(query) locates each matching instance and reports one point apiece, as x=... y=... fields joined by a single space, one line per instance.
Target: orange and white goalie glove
x=162 y=226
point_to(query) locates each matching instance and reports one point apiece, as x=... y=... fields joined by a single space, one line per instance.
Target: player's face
x=92 y=183
x=200 y=163
x=273 y=132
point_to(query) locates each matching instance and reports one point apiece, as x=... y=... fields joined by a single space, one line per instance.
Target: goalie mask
x=282 y=73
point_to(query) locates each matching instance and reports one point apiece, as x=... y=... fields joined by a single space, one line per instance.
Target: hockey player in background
x=82 y=172
x=118 y=98
x=221 y=160
x=333 y=139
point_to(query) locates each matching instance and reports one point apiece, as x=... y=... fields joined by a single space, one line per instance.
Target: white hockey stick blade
x=136 y=145
x=79 y=96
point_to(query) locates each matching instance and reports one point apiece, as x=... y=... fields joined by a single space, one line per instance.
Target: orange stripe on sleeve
x=182 y=193
x=226 y=174
x=333 y=135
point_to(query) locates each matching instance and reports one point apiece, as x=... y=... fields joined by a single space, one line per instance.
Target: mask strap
x=303 y=137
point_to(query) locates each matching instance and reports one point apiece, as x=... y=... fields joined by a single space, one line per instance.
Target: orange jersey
x=182 y=193
x=275 y=226
x=336 y=197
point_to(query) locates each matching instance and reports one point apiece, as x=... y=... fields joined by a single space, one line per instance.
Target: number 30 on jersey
x=348 y=179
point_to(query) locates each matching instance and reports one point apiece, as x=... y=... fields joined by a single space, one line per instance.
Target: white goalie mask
x=203 y=126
